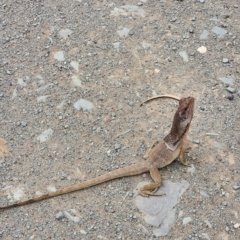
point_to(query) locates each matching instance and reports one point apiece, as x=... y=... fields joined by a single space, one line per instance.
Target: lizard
x=160 y=155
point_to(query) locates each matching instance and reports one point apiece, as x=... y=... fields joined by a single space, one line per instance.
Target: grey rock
x=117 y=146
x=43 y=88
x=197 y=141
x=184 y=55
x=65 y=33
x=236 y=187
x=204 y=34
x=124 y=32
x=166 y=224
x=24 y=123
x=228 y=80
x=42 y=98
x=231 y=89
x=173 y=19
x=59 y=215
x=204 y=194
x=134 y=10
x=157 y=210
x=83 y=104
x=186 y=220
x=59 y=56
x=220 y=32
x=225 y=60
x=45 y=135
x=214 y=19
x=116 y=45
x=145 y=45
x=201 y=1
x=70 y=217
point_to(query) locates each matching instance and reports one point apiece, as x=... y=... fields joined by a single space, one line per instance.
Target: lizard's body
x=160 y=155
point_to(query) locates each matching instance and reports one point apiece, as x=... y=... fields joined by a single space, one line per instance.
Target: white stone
x=184 y=55
x=187 y=220
x=70 y=217
x=42 y=98
x=202 y=49
x=74 y=65
x=76 y=81
x=21 y=82
x=51 y=189
x=145 y=45
x=124 y=32
x=59 y=56
x=14 y=93
x=83 y=104
x=45 y=135
x=236 y=225
x=65 y=33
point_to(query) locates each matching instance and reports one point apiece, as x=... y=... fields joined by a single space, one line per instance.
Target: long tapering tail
x=122 y=172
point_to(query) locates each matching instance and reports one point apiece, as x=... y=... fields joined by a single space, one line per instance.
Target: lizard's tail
x=122 y=172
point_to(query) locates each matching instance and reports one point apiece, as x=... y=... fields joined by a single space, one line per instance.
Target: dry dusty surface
x=112 y=55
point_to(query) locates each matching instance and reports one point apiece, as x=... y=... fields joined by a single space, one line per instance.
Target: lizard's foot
x=189 y=162
x=150 y=192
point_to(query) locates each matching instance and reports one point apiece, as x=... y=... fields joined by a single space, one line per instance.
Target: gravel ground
x=72 y=76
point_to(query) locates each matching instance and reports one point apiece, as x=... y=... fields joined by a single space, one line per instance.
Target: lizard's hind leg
x=151 y=188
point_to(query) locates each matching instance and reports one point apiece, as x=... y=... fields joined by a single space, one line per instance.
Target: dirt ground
x=113 y=57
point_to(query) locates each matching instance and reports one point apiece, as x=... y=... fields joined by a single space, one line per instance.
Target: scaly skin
x=161 y=154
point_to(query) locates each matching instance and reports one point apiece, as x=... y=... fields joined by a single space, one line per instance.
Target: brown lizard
x=161 y=154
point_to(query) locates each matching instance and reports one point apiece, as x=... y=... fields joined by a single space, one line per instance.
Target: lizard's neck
x=178 y=131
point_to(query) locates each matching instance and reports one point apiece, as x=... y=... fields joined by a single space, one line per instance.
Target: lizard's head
x=185 y=111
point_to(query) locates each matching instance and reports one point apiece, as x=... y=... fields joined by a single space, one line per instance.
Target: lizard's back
x=161 y=156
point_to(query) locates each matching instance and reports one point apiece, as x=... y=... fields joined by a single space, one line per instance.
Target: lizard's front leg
x=150 y=188
x=186 y=147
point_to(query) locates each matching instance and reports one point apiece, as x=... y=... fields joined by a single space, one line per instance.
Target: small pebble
x=117 y=146
x=197 y=141
x=225 y=203
x=131 y=103
x=24 y=124
x=130 y=194
x=225 y=60
x=231 y=90
x=236 y=187
x=201 y=1
x=202 y=49
x=59 y=215
x=186 y=220
x=236 y=225
x=230 y=97
x=227 y=229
